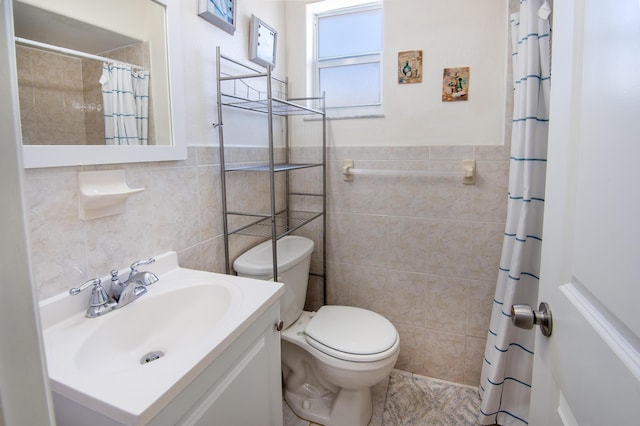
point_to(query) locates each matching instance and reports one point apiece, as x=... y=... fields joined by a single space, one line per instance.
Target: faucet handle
x=94 y=282
x=99 y=302
x=134 y=265
x=99 y=295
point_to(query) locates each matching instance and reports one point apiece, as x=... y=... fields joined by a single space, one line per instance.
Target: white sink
x=168 y=321
x=176 y=329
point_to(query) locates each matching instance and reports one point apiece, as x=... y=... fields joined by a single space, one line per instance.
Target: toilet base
x=330 y=409
x=324 y=389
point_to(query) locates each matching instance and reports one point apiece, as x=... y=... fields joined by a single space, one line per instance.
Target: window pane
x=351 y=85
x=350 y=34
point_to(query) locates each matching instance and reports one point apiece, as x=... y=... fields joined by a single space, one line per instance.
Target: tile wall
x=65 y=250
x=179 y=210
x=51 y=97
x=421 y=251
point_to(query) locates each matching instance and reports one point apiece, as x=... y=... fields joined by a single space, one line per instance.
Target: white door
x=588 y=371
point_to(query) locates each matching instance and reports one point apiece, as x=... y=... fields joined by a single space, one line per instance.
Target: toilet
x=330 y=358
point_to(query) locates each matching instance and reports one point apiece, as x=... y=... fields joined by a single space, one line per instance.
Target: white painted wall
x=455 y=33
x=200 y=39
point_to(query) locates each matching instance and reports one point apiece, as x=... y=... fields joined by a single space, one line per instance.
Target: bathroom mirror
x=61 y=81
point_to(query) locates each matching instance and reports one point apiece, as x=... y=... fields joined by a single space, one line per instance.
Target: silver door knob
x=523 y=316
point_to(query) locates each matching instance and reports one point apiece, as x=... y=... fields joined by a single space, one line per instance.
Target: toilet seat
x=352 y=334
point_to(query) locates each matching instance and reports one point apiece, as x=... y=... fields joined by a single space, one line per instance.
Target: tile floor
x=411 y=400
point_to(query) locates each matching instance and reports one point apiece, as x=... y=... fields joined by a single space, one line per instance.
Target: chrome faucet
x=120 y=293
x=99 y=303
x=135 y=286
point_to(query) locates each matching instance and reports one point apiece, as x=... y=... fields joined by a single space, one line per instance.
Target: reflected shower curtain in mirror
x=505 y=384
x=125 y=93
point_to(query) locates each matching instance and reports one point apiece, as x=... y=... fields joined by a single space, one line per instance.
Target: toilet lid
x=352 y=334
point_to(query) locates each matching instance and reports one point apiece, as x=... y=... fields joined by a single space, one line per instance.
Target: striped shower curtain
x=125 y=95
x=505 y=384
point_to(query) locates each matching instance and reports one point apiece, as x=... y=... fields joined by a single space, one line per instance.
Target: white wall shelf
x=103 y=193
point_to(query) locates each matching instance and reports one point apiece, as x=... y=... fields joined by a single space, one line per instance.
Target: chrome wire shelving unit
x=248 y=88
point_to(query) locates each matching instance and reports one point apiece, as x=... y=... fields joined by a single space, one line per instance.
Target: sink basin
x=130 y=362
x=168 y=322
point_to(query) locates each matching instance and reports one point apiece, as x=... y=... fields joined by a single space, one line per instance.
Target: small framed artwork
x=410 y=67
x=262 y=43
x=221 y=13
x=455 y=84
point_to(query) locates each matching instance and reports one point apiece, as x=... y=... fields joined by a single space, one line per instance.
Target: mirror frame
x=39 y=156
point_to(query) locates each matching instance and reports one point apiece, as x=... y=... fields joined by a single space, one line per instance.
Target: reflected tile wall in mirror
x=61 y=95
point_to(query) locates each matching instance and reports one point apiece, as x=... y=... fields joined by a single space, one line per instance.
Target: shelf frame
x=275 y=224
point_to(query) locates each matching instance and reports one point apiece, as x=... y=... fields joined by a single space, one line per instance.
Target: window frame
x=376 y=57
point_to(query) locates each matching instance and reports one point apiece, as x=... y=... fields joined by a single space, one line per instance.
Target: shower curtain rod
x=71 y=51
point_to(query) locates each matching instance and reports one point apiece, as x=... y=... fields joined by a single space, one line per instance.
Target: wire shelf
x=276 y=167
x=286 y=223
x=279 y=107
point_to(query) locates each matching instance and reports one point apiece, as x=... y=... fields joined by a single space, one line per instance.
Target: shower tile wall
x=51 y=97
x=92 y=93
x=60 y=95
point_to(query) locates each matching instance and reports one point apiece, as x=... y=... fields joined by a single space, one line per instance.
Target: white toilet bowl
x=330 y=382
x=330 y=358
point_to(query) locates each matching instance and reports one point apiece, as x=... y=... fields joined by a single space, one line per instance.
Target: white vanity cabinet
x=243 y=387
x=199 y=348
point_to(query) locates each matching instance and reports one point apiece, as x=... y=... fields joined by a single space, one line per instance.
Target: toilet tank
x=294 y=258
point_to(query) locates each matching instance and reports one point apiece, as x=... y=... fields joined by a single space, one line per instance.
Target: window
x=348 y=59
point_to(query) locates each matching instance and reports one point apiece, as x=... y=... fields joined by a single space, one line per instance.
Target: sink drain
x=151 y=356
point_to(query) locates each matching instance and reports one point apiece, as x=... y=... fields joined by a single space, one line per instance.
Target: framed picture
x=410 y=67
x=262 y=43
x=221 y=13
x=455 y=84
